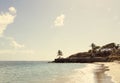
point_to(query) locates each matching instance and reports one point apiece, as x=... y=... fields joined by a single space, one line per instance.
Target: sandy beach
x=114 y=71
x=107 y=72
x=97 y=73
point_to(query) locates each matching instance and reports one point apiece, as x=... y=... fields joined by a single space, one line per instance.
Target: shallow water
x=36 y=72
x=44 y=72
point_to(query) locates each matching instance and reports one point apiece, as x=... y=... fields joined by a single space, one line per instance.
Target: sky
x=37 y=29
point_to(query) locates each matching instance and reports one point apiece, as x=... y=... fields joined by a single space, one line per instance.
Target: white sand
x=114 y=71
x=87 y=74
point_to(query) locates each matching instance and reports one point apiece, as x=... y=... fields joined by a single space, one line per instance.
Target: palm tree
x=59 y=53
x=93 y=46
x=94 y=49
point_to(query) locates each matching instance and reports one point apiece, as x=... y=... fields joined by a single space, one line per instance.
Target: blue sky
x=36 y=29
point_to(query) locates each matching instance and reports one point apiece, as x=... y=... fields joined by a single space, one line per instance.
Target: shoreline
x=101 y=72
x=111 y=73
x=114 y=71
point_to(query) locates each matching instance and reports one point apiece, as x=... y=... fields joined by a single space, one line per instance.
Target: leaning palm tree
x=59 y=53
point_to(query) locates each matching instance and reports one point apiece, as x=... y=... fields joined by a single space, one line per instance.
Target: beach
x=114 y=71
x=97 y=73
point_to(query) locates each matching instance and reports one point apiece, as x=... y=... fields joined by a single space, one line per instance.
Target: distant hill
x=106 y=53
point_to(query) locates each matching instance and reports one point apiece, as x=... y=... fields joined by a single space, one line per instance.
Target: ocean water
x=37 y=72
x=44 y=72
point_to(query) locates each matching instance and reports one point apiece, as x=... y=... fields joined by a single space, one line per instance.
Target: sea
x=44 y=72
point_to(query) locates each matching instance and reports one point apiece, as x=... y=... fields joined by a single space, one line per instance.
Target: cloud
x=14 y=43
x=6 y=19
x=59 y=21
x=12 y=10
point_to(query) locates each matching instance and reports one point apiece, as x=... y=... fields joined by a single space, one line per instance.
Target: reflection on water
x=99 y=73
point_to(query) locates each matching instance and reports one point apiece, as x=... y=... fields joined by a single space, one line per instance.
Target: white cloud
x=14 y=43
x=59 y=21
x=12 y=10
x=6 y=19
